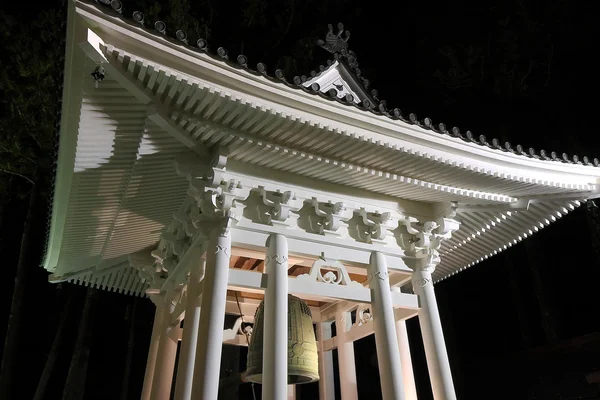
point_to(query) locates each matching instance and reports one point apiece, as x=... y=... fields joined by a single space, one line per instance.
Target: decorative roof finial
x=334 y=42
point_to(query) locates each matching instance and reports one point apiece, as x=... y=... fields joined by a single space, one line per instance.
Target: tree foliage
x=30 y=85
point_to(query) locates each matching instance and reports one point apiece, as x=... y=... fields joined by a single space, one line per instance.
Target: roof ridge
x=337 y=45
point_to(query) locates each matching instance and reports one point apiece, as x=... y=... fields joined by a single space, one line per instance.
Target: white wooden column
x=408 y=377
x=187 y=352
x=326 y=379
x=212 y=318
x=153 y=349
x=165 y=359
x=433 y=336
x=384 y=326
x=345 y=349
x=291 y=392
x=275 y=338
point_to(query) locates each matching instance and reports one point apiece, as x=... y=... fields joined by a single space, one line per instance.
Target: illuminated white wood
x=326 y=379
x=187 y=352
x=346 y=362
x=212 y=317
x=337 y=182
x=165 y=359
x=250 y=280
x=153 y=350
x=275 y=337
x=408 y=378
x=388 y=355
x=433 y=336
x=291 y=392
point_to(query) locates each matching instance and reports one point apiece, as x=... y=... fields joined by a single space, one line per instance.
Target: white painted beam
x=253 y=236
x=251 y=280
x=235 y=340
x=295 y=259
x=328 y=311
x=358 y=332
x=398 y=279
x=238 y=340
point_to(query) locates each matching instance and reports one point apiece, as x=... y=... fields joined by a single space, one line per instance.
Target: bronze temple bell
x=303 y=361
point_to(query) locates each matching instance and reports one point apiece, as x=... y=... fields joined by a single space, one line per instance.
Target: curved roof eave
x=411 y=136
x=424 y=127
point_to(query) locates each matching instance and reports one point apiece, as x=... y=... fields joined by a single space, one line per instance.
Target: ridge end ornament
x=337 y=44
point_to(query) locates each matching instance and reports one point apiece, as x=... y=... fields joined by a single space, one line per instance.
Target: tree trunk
x=130 y=345
x=11 y=342
x=65 y=317
x=75 y=383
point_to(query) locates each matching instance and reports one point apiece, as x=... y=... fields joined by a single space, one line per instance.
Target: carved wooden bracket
x=279 y=205
x=374 y=226
x=423 y=241
x=327 y=217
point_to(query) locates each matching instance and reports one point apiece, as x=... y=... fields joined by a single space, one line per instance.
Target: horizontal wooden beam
x=253 y=236
x=237 y=340
x=255 y=281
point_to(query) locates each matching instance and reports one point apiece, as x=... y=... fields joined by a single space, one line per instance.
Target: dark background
x=522 y=325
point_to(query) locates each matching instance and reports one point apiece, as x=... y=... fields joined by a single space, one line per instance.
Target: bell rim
x=257 y=378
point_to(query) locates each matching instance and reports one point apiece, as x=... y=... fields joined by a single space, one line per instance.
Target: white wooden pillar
x=408 y=377
x=275 y=338
x=291 y=392
x=345 y=348
x=384 y=326
x=326 y=379
x=209 y=345
x=433 y=336
x=165 y=359
x=153 y=349
x=187 y=352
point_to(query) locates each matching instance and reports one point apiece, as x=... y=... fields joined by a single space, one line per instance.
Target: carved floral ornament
x=329 y=271
x=218 y=193
x=363 y=314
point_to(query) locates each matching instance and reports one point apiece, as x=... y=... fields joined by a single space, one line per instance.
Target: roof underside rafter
x=124 y=189
x=337 y=45
x=214 y=115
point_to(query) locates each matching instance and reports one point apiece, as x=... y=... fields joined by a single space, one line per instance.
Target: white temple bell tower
x=211 y=185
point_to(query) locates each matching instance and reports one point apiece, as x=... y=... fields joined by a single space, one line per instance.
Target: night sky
x=522 y=325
